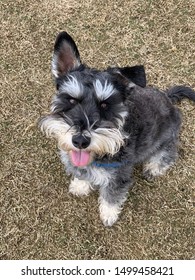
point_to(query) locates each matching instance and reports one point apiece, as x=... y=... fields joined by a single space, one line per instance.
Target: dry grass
x=39 y=219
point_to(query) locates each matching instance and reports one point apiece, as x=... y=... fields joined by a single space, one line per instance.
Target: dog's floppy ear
x=134 y=74
x=66 y=55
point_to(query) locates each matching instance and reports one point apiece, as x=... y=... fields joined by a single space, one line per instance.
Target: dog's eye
x=73 y=101
x=103 y=105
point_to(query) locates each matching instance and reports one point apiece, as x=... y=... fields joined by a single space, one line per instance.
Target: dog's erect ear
x=134 y=74
x=66 y=55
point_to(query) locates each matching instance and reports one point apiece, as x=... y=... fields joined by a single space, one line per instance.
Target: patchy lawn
x=39 y=219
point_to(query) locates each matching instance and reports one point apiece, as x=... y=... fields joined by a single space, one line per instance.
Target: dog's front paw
x=79 y=187
x=109 y=213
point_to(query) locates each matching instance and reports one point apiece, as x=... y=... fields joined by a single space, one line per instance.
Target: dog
x=106 y=122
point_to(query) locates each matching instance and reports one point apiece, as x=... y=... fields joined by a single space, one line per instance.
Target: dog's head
x=89 y=110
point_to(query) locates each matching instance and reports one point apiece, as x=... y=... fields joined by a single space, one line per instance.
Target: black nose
x=80 y=141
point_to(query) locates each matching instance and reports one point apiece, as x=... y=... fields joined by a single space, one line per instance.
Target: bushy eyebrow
x=72 y=87
x=103 y=91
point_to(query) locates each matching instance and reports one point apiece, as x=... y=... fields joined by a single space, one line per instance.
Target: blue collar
x=115 y=164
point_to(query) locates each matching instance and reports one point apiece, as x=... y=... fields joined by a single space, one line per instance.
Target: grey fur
x=138 y=125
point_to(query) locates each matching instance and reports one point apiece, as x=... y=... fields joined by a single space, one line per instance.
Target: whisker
x=93 y=124
x=67 y=118
x=84 y=113
x=70 y=128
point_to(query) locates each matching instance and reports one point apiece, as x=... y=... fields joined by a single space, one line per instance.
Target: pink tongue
x=80 y=158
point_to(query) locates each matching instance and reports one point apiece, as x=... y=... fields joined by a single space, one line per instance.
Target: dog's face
x=89 y=110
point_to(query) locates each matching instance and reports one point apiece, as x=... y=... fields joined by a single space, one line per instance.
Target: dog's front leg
x=79 y=187
x=111 y=201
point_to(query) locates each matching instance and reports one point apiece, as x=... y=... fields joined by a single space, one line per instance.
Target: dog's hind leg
x=160 y=161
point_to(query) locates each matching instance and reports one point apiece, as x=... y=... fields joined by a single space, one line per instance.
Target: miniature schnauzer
x=106 y=122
